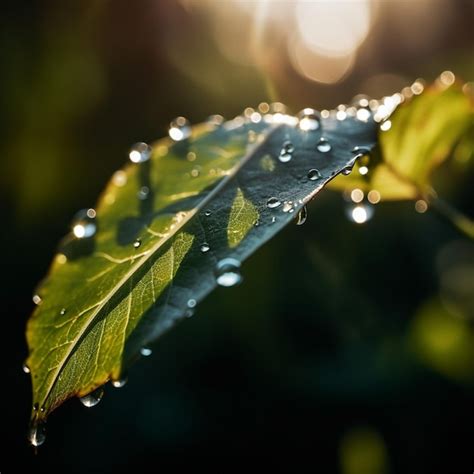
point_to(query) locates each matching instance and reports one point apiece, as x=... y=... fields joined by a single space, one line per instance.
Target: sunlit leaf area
x=245 y=227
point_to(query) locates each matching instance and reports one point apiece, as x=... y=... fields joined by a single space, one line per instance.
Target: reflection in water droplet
x=146 y=351
x=314 y=174
x=139 y=153
x=286 y=152
x=323 y=146
x=137 y=243
x=273 y=203
x=191 y=303
x=119 y=383
x=25 y=368
x=37 y=434
x=83 y=224
x=228 y=272
x=62 y=312
x=37 y=299
x=205 y=247
x=180 y=129
x=360 y=213
x=143 y=193
x=93 y=398
x=302 y=216
x=309 y=120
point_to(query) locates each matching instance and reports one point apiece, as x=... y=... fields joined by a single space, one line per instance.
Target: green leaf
x=423 y=133
x=164 y=228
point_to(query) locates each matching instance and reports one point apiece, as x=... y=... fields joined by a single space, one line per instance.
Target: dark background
x=348 y=348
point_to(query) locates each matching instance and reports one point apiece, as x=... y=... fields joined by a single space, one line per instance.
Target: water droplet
x=93 y=398
x=309 y=120
x=119 y=178
x=421 y=206
x=207 y=213
x=288 y=206
x=360 y=213
x=273 y=203
x=37 y=434
x=139 y=153
x=363 y=114
x=195 y=172
x=83 y=224
x=387 y=125
x=274 y=219
x=363 y=170
x=347 y=170
x=314 y=174
x=62 y=312
x=228 y=272
x=323 y=146
x=35 y=407
x=302 y=216
x=286 y=152
x=25 y=368
x=37 y=300
x=143 y=193
x=137 y=243
x=119 y=383
x=146 y=351
x=215 y=120
x=357 y=195
x=180 y=129
x=191 y=303
x=205 y=247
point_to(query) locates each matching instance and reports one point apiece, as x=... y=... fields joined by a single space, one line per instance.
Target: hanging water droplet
x=37 y=300
x=25 y=368
x=137 y=243
x=302 y=216
x=309 y=120
x=83 y=224
x=228 y=272
x=143 y=193
x=37 y=434
x=347 y=170
x=119 y=383
x=93 y=398
x=62 y=312
x=286 y=152
x=323 y=146
x=207 y=213
x=288 y=206
x=146 y=351
x=139 y=153
x=180 y=129
x=314 y=174
x=273 y=203
x=191 y=303
x=360 y=213
x=205 y=247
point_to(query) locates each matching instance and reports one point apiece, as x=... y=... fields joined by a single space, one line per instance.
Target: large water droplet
x=273 y=203
x=180 y=129
x=93 y=398
x=37 y=300
x=286 y=152
x=37 y=434
x=228 y=272
x=309 y=120
x=25 y=368
x=137 y=243
x=205 y=247
x=140 y=152
x=83 y=224
x=146 y=351
x=119 y=383
x=314 y=174
x=302 y=216
x=323 y=146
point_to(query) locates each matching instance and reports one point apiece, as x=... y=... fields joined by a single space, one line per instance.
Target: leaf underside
x=107 y=296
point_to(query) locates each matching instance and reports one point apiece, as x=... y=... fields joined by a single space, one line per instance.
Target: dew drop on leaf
x=205 y=247
x=207 y=213
x=309 y=120
x=146 y=351
x=37 y=434
x=25 y=368
x=137 y=243
x=314 y=174
x=93 y=398
x=286 y=152
x=273 y=203
x=62 y=312
x=139 y=153
x=228 y=272
x=323 y=146
x=302 y=216
x=37 y=300
x=288 y=206
x=180 y=129
x=83 y=224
